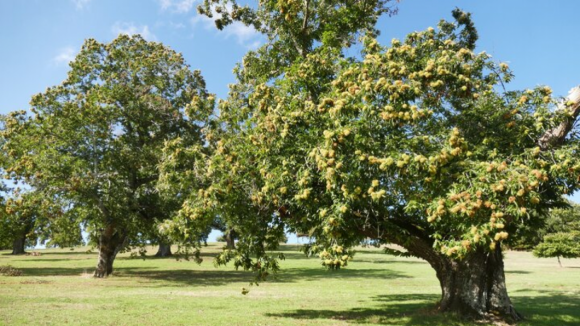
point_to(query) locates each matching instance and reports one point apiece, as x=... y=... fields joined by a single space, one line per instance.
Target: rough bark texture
x=476 y=287
x=164 y=250
x=557 y=135
x=111 y=242
x=18 y=245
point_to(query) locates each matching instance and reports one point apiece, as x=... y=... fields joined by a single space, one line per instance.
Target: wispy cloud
x=65 y=55
x=246 y=36
x=176 y=25
x=178 y=6
x=132 y=29
x=80 y=4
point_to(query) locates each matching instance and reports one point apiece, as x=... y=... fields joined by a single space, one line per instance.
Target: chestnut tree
x=95 y=140
x=416 y=143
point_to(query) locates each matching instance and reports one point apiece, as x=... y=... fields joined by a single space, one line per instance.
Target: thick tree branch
x=306 y=14
x=555 y=136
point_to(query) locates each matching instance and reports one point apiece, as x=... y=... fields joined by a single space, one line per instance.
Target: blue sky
x=39 y=37
x=538 y=39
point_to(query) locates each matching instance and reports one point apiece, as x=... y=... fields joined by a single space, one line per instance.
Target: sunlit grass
x=57 y=289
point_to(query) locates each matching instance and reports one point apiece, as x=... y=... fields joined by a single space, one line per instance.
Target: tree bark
x=475 y=286
x=230 y=236
x=18 y=245
x=164 y=250
x=556 y=136
x=111 y=241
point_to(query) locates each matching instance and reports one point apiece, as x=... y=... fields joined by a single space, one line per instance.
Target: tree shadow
x=184 y=277
x=67 y=253
x=54 y=271
x=550 y=308
x=409 y=309
x=51 y=259
x=420 y=309
x=315 y=274
x=191 y=277
x=517 y=272
x=174 y=256
x=383 y=261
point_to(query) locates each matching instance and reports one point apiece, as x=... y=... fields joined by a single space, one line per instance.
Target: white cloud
x=178 y=6
x=206 y=22
x=132 y=29
x=65 y=55
x=80 y=4
x=246 y=36
x=176 y=25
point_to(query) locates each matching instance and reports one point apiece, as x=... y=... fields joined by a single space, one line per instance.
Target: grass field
x=56 y=288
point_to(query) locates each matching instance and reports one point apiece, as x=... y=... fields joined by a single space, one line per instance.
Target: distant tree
x=30 y=218
x=565 y=219
x=164 y=250
x=558 y=219
x=561 y=244
x=96 y=139
x=562 y=234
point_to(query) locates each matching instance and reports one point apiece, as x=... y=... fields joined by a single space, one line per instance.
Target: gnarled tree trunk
x=111 y=242
x=18 y=245
x=476 y=286
x=164 y=250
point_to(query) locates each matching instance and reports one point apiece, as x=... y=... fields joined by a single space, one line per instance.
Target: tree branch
x=555 y=136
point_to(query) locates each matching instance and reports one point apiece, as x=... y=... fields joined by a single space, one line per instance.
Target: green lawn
x=57 y=289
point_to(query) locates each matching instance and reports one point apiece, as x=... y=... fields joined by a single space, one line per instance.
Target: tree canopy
x=416 y=143
x=95 y=140
x=562 y=234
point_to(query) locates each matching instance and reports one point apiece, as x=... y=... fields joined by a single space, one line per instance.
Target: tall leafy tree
x=95 y=140
x=415 y=144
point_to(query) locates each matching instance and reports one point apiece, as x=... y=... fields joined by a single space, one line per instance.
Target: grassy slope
x=57 y=289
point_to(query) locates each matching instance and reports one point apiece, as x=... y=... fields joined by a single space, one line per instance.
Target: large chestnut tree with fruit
x=416 y=143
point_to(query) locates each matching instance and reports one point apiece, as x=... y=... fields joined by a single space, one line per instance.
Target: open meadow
x=57 y=288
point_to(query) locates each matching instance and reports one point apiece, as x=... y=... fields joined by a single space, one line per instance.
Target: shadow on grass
x=54 y=271
x=550 y=308
x=410 y=309
x=420 y=309
x=382 y=261
x=190 y=277
x=185 y=277
x=52 y=259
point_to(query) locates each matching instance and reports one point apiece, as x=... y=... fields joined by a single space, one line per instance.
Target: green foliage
x=562 y=234
x=565 y=219
x=94 y=141
x=36 y=217
x=558 y=220
x=415 y=143
x=562 y=244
